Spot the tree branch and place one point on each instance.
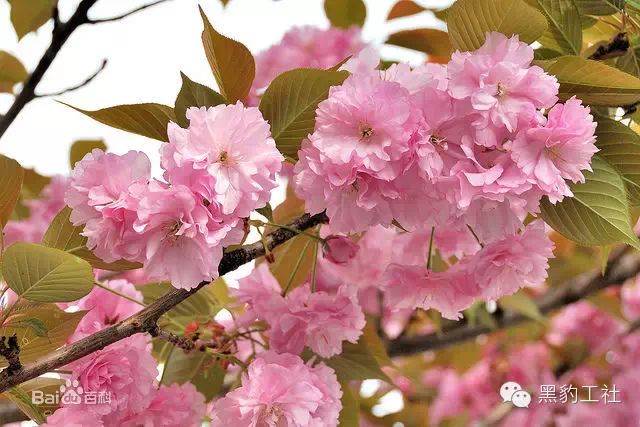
(79, 85)
(124, 15)
(622, 266)
(145, 320)
(10, 350)
(61, 33)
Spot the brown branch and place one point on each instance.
(622, 266)
(124, 15)
(145, 320)
(79, 85)
(61, 33)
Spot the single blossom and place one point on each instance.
(281, 390)
(73, 416)
(226, 155)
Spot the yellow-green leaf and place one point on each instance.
(427, 40)
(470, 20)
(599, 7)
(593, 82)
(63, 235)
(43, 385)
(39, 273)
(22, 400)
(80, 148)
(11, 176)
(29, 15)
(33, 184)
(194, 94)
(345, 13)
(289, 104)
(350, 413)
(521, 303)
(598, 213)
(357, 362)
(148, 120)
(198, 368)
(405, 8)
(565, 29)
(59, 325)
(620, 147)
(232, 64)
(11, 72)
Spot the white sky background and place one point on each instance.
(146, 53)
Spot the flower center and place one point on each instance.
(172, 230)
(438, 141)
(501, 91)
(272, 415)
(223, 156)
(366, 132)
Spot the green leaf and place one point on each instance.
(405, 8)
(198, 368)
(266, 212)
(599, 7)
(565, 28)
(630, 61)
(39, 273)
(521, 303)
(289, 104)
(58, 324)
(232, 64)
(28, 16)
(345, 13)
(544, 53)
(593, 82)
(427, 40)
(470, 20)
(63, 235)
(194, 94)
(350, 413)
(44, 385)
(605, 251)
(37, 325)
(33, 184)
(620, 147)
(81, 148)
(11, 176)
(11, 72)
(357, 362)
(22, 400)
(148, 120)
(598, 214)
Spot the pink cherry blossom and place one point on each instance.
(279, 389)
(260, 291)
(41, 211)
(171, 406)
(339, 249)
(226, 155)
(126, 370)
(596, 329)
(105, 308)
(631, 300)
(304, 47)
(448, 292)
(503, 267)
(559, 150)
(73, 416)
(183, 238)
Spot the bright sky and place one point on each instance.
(146, 53)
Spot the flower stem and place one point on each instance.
(120, 294)
(315, 265)
(295, 268)
(475, 236)
(430, 253)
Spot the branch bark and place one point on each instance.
(622, 266)
(61, 33)
(145, 320)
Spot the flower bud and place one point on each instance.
(339, 249)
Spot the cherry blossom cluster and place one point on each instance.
(481, 139)
(304, 47)
(217, 171)
(126, 372)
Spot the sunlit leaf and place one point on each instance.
(63, 235)
(470, 20)
(405, 8)
(345, 13)
(598, 214)
(82, 147)
(11, 176)
(232, 64)
(565, 28)
(198, 368)
(350, 413)
(148, 120)
(357, 362)
(28, 16)
(22, 400)
(593, 82)
(11, 72)
(521, 303)
(39, 273)
(427, 40)
(194, 94)
(289, 104)
(599, 7)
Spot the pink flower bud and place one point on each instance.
(339, 249)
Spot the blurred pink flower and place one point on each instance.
(171, 406)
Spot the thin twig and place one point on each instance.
(79, 85)
(125, 15)
(146, 320)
